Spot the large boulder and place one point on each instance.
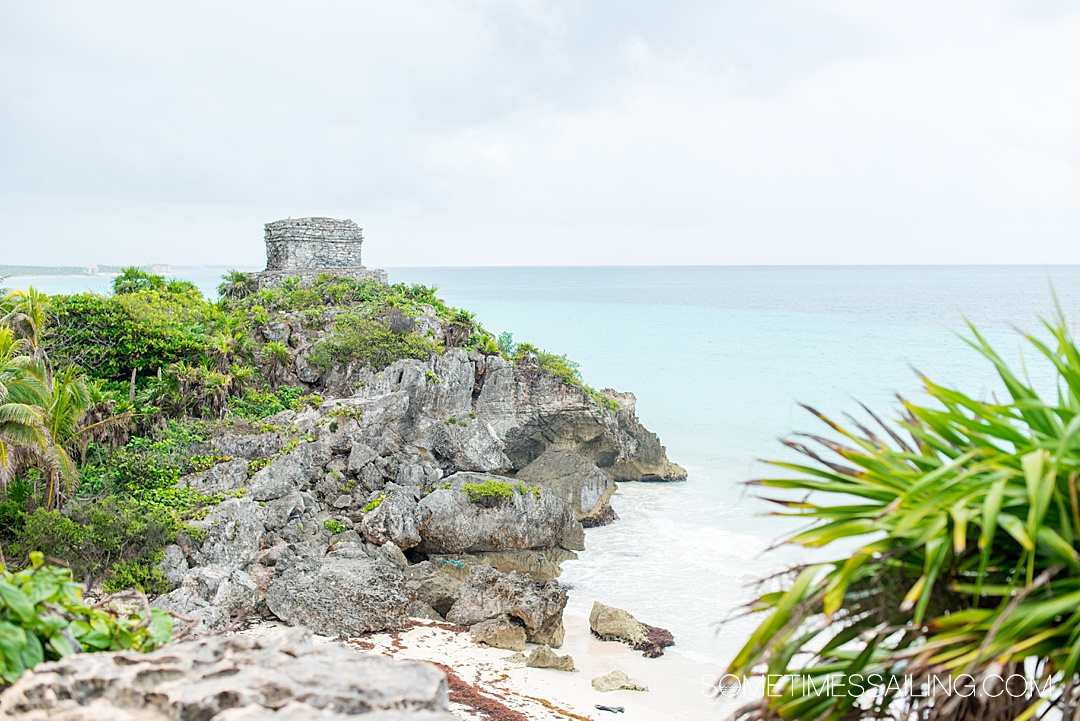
(499, 632)
(247, 446)
(233, 533)
(437, 588)
(283, 676)
(614, 624)
(212, 596)
(540, 563)
(347, 592)
(395, 519)
(290, 472)
(531, 410)
(227, 476)
(517, 520)
(489, 594)
(576, 480)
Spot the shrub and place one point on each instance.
(371, 341)
(334, 526)
(956, 530)
(101, 539)
(144, 575)
(491, 492)
(43, 617)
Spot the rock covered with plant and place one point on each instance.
(341, 455)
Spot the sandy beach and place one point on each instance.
(489, 684)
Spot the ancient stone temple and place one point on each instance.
(305, 248)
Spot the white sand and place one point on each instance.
(678, 687)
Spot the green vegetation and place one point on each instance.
(372, 505)
(375, 342)
(956, 529)
(491, 492)
(334, 526)
(107, 401)
(44, 617)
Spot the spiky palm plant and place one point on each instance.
(236, 285)
(21, 425)
(965, 519)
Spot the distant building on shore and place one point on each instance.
(306, 248)
(160, 268)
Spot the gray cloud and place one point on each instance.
(544, 132)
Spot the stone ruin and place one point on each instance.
(306, 248)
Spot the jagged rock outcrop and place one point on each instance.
(576, 480)
(489, 594)
(233, 534)
(213, 596)
(506, 414)
(347, 592)
(614, 624)
(616, 681)
(544, 657)
(499, 632)
(396, 519)
(454, 524)
(283, 676)
(437, 588)
(540, 563)
(330, 495)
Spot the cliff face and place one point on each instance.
(377, 503)
(506, 415)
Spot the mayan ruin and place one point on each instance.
(305, 248)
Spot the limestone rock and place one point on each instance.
(438, 589)
(544, 657)
(541, 563)
(174, 565)
(419, 609)
(291, 472)
(249, 446)
(490, 594)
(281, 512)
(233, 532)
(576, 480)
(227, 476)
(359, 456)
(499, 632)
(346, 592)
(455, 525)
(616, 681)
(396, 519)
(212, 595)
(614, 624)
(283, 676)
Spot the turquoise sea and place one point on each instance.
(719, 358)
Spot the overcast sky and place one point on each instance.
(535, 132)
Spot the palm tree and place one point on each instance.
(25, 315)
(277, 357)
(22, 429)
(236, 285)
(133, 279)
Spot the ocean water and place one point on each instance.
(720, 358)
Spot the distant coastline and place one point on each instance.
(94, 270)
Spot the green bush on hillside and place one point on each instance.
(43, 617)
(374, 342)
(957, 530)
